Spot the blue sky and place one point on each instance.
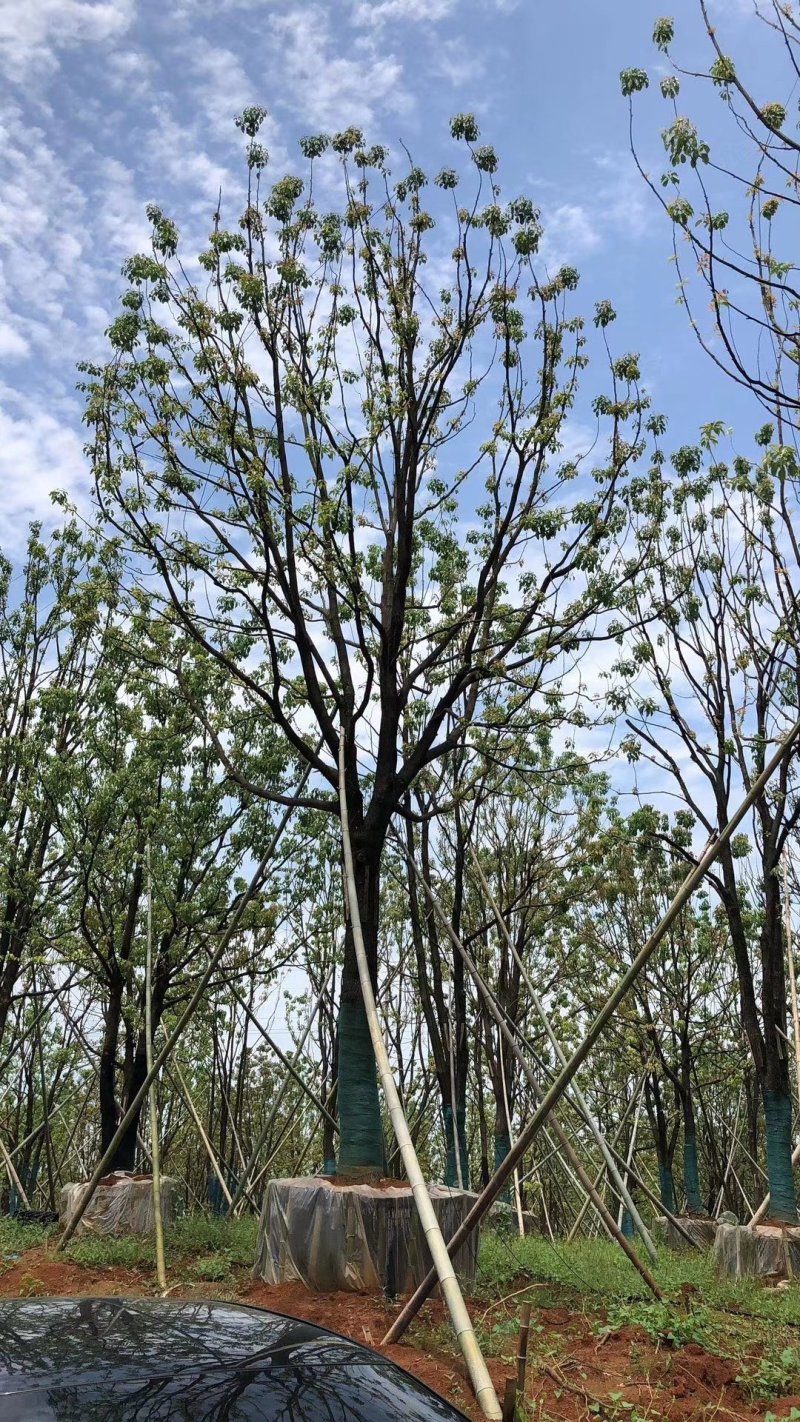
(110, 104)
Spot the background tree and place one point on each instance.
(735, 219)
(722, 662)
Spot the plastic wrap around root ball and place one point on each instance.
(702, 1231)
(761, 1252)
(359, 1238)
(122, 1204)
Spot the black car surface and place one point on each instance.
(136, 1360)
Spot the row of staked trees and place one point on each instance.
(339, 501)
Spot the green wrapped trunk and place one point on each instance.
(450, 1172)
(691, 1175)
(666, 1186)
(502, 1146)
(778, 1119)
(361, 1145)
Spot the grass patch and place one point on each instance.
(16, 1238)
(599, 1267)
(231, 1240)
(741, 1320)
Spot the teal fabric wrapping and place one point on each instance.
(450, 1172)
(215, 1196)
(691, 1176)
(27, 1179)
(666, 1185)
(778, 1119)
(360, 1129)
(329, 1166)
(502, 1146)
(627, 1224)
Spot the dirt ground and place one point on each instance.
(574, 1374)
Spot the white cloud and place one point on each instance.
(570, 232)
(430, 11)
(38, 453)
(458, 62)
(33, 31)
(623, 199)
(329, 85)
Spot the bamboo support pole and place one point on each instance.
(443, 1267)
(536, 1091)
(155, 1144)
(615, 997)
(12, 1175)
(183, 1021)
(787, 923)
(593, 1125)
(598, 1178)
(287, 1062)
(193, 1112)
(510, 1128)
(629, 1162)
(269, 1123)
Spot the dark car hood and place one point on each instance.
(58, 1340)
(124, 1360)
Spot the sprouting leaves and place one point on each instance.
(633, 81)
(464, 126)
(663, 33)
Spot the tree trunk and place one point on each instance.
(776, 1087)
(361, 1144)
(691, 1172)
(665, 1148)
(107, 1069)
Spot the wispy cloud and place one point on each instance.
(327, 86)
(33, 32)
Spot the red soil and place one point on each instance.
(572, 1369)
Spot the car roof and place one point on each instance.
(133, 1355)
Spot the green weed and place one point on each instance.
(664, 1324)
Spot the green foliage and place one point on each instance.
(222, 1242)
(665, 1324)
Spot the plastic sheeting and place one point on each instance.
(765, 1251)
(354, 1237)
(703, 1232)
(121, 1204)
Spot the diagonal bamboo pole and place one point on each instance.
(183, 1021)
(623, 987)
(270, 1121)
(610, 1143)
(536, 1091)
(593, 1125)
(443, 1267)
(201, 1129)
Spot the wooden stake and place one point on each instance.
(522, 1347)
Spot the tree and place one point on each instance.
(722, 661)
(347, 475)
(51, 618)
(146, 784)
(737, 219)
